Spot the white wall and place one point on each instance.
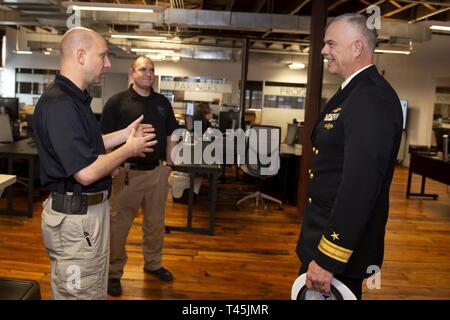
(8, 82)
(112, 84)
(414, 77)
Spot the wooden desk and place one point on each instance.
(23, 149)
(5, 181)
(213, 172)
(428, 167)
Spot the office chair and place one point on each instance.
(6, 132)
(262, 160)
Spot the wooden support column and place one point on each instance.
(313, 94)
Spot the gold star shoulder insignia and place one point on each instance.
(335, 236)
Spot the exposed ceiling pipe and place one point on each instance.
(434, 3)
(430, 14)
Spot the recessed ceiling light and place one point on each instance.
(130, 36)
(440, 28)
(23, 52)
(112, 9)
(392, 51)
(152, 50)
(296, 66)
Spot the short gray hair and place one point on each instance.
(360, 22)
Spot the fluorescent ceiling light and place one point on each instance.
(112, 9)
(392, 51)
(155, 57)
(46, 53)
(152, 50)
(130, 36)
(23, 52)
(296, 66)
(440, 28)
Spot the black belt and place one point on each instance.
(76, 204)
(139, 166)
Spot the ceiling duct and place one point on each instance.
(207, 53)
(239, 21)
(411, 31)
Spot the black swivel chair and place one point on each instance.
(262, 144)
(17, 289)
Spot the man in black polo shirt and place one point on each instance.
(77, 170)
(142, 182)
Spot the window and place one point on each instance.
(284, 95)
(168, 94)
(31, 83)
(24, 87)
(175, 88)
(253, 94)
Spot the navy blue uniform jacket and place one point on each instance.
(355, 146)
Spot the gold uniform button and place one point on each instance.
(309, 171)
(311, 175)
(309, 200)
(314, 149)
(317, 151)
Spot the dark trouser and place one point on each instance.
(355, 285)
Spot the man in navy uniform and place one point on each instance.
(355, 144)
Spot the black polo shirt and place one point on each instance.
(67, 135)
(123, 108)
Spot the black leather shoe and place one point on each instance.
(161, 273)
(114, 287)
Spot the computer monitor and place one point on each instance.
(189, 116)
(404, 104)
(190, 107)
(189, 122)
(294, 134)
(300, 133)
(228, 120)
(291, 134)
(11, 106)
(5, 129)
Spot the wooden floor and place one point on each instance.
(252, 255)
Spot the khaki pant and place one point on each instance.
(79, 268)
(147, 189)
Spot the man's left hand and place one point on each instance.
(142, 129)
(318, 278)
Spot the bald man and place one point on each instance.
(76, 169)
(355, 144)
